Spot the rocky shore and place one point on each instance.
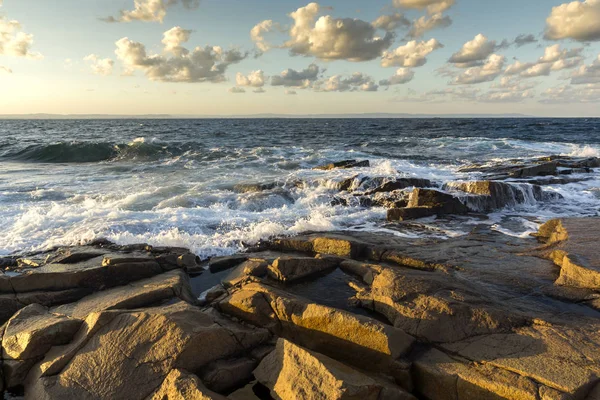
(337, 315)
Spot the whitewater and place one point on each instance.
(217, 186)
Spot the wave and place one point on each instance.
(90, 152)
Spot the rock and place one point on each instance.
(218, 264)
(400, 183)
(289, 269)
(247, 392)
(438, 376)
(344, 165)
(347, 184)
(444, 203)
(549, 168)
(395, 199)
(336, 246)
(129, 354)
(494, 195)
(226, 375)
(29, 334)
(367, 272)
(251, 268)
(188, 260)
(338, 334)
(573, 248)
(254, 187)
(181, 385)
(407, 214)
(292, 372)
(147, 292)
(564, 359)
(425, 306)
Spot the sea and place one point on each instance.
(218, 186)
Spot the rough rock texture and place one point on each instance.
(444, 202)
(135, 351)
(574, 248)
(322, 377)
(493, 195)
(181, 385)
(342, 335)
(289, 269)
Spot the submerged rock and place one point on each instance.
(345, 164)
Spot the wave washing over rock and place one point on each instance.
(383, 259)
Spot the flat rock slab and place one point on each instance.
(289, 269)
(293, 372)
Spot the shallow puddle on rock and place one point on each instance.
(205, 281)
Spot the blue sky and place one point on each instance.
(62, 58)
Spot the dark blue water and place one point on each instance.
(173, 181)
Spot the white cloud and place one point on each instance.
(578, 20)
(327, 38)
(237, 90)
(391, 22)
(356, 82)
(485, 73)
(257, 34)
(297, 79)
(587, 74)
(174, 38)
(14, 42)
(474, 51)
(150, 10)
(254, 79)
(100, 66)
(290, 92)
(424, 24)
(402, 76)
(412, 54)
(432, 6)
(5, 70)
(567, 94)
(554, 59)
(203, 64)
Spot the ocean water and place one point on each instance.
(174, 182)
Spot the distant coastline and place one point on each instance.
(265, 116)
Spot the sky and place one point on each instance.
(242, 57)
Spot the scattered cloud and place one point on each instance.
(432, 6)
(424, 24)
(290, 92)
(327, 38)
(524, 39)
(100, 66)
(177, 64)
(391, 22)
(253, 79)
(412, 54)
(257, 34)
(554, 59)
(565, 94)
(587, 74)
(14, 42)
(474, 52)
(486, 73)
(577, 20)
(297, 79)
(150, 10)
(5, 70)
(356, 82)
(402, 76)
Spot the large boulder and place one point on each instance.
(289, 269)
(338, 334)
(181, 385)
(426, 203)
(491, 195)
(293, 372)
(572, 246)
(427, 306)
(127, 355)
(29, 334)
